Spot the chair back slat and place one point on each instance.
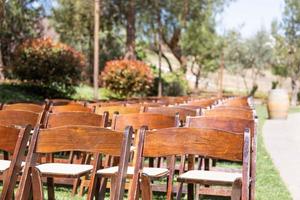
(136, 120)
(20, 118)
(206, 142)
(70, 108)
(172, 111)
(75, 118)
(79, 138)
(226, 112)
(230, 124)
(25, 107)
(118, 109)
(9, 137)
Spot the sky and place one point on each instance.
(249, 16)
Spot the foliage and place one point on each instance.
(127, 77)
(73, 21)
(41, 61)
(201, 45)
(173, 83)
(254, 54)
(287, 48)
(19, 20)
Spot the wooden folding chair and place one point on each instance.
(14, 141)
(54, 120)
(74, 138)
(137, 120)
(20, 118)
(119, 110)
(206, 142)
(231, 124)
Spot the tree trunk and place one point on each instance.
(1, 66)
(96, 48)
(130, 32)
(197, 81)
(295, 90)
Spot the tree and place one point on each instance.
(200, 45)
(19, 21)
(175, 20)
(254, 54)
(287, 62)
(73, 21)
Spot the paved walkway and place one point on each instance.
(282, 139)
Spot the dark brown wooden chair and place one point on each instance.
(13, 141)
(54, 120)
(231, 124)
(74, 138)
(195, 141)
(20, 118)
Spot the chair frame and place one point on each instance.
(31, 180)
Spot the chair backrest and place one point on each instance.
(24, 106)
(75, 118)
(20, 118)
(118, 109)
(239, 101)
(14, 141)
(230, 124)
(70, 108)
(209, 143)
(202, 102)
(137, 120)
(81, 138)
(227, 112)
(172, 111)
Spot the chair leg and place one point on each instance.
(146, 188)
(50, 187)
(112, 187)
(236, 192)
(179, 191)
(37, 184)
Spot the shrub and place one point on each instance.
(127, 77)
(46, 63)
(173, 83)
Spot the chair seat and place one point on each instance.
(209, 177)
(149, 171)
(64, 169)
(4, 165)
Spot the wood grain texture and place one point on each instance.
(70, 108)
(137, 120)
(25, 106)
(226, 112)
(172, 111)
(75, 118)
(20, 118)
(79, 138)
(9, 137)
(206, 142)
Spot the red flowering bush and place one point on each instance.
(47, 63)
(127, 77)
